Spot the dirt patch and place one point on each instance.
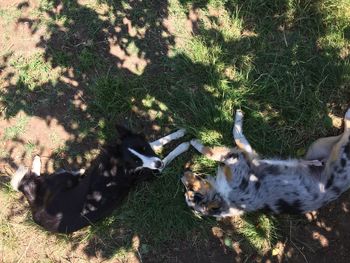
(17, 28)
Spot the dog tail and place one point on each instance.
(18, 176)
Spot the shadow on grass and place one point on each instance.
(120, 63)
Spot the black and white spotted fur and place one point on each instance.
(67, 201)
(245, 182)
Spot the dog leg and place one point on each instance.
(36, 166)
(215, 153)
(240, 140)
(183, 147)
(340, 152)
(158, 144)
(321, 148)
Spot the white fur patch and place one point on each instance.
(289, 163)
(183, 147)
(36, 166)
(253, 178)
(232, 212)
(238, 132)
(96, 196)
(80, 172)
(158, 144)
(147, 162)
(221, 184)
(18, 176)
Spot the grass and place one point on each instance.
(34, 71)
(16, 130)
(285, 63)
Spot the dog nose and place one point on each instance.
(158, 164)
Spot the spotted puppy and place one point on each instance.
(245, 182)
(67, 201)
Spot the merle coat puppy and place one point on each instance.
(67, 201)
(245, 182)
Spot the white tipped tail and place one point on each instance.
(18, 176)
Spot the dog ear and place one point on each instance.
(122, 131)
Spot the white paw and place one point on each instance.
(237, 127)
(239, 115)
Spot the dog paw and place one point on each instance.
(239, 115)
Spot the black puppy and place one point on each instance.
(65, 201)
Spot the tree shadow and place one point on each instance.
(118, 64)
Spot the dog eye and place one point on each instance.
(197, 197)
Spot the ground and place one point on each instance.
(70, 70)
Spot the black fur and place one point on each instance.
(347, 150)
(285, 207)
(257, 185)
(64, 202)
(343, 162)
(244, 184)
(330, 181)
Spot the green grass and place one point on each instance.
(285, 63)
(16, 130)
(9, 15)
(34, 71)
(260, 231)
(30, 147)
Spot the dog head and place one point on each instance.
(202, 196)
(136, 151)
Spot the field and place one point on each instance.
(71, 69)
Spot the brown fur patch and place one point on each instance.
(239, 144)
(216, 153)
(196, 186)
(213, 205)
(207, 151)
